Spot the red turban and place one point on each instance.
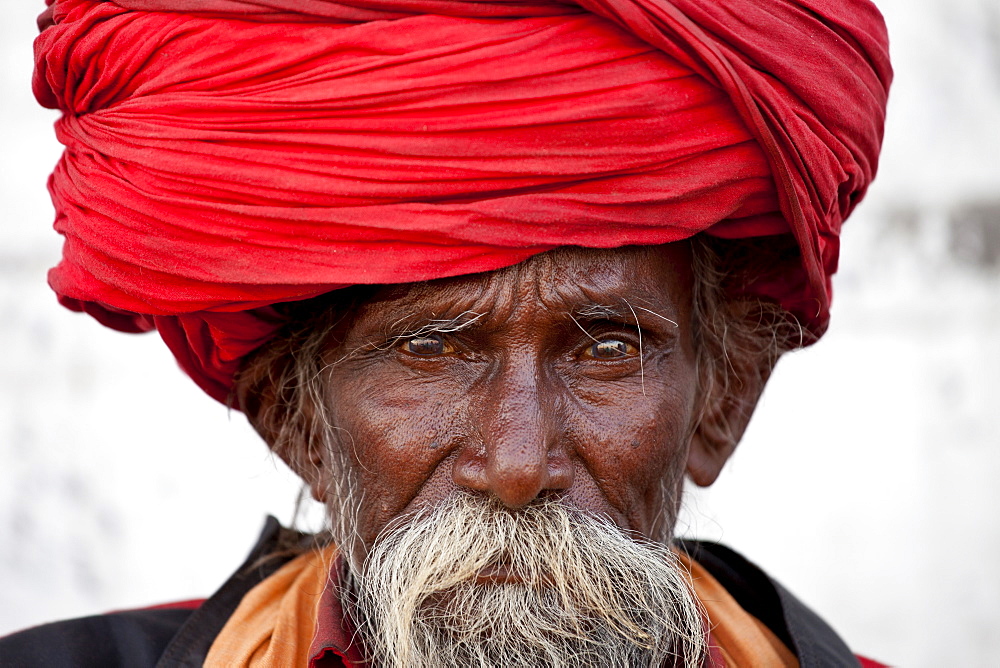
(225, 155)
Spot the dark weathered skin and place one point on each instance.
(523, 402)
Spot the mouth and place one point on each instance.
(499, 573)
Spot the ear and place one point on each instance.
(729, 396)
(283, 419)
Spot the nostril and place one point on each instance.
(560, 474)
(550, 495)
(469, 471)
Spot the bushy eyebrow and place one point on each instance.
(625, 312)
(598, 312)
(404, 328)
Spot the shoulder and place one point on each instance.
(130, 638)
(812, 640)
(168, 636)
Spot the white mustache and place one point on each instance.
(475, 584)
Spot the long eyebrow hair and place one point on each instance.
(606, 311)
(598, 312)
(404, 328)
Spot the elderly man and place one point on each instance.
(492, 278)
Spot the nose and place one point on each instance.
(519, 451)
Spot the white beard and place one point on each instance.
(582, 592)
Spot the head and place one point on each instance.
(516, 429)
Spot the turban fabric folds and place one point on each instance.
(225, 155)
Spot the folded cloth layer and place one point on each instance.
(225, 155)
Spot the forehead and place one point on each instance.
(656, 277)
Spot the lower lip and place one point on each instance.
(498, 574)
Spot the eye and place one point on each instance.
(426, 346)
(610, 349)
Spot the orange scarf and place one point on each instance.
(275, 622)
(739, 638)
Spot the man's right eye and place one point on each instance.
(426, 346)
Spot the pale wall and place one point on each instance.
(867, 482)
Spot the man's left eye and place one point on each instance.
(426, 346)
(611, 349)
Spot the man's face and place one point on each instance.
(569, 376)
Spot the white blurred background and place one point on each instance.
(869, 481)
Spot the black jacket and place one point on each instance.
(176, 638)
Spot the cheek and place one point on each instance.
(398, 433)
(635, 449)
